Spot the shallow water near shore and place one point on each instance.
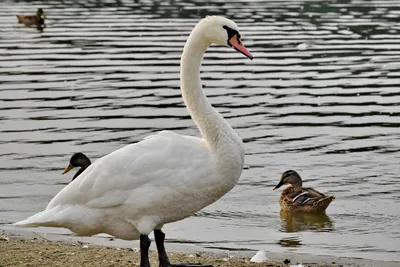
(321, 97)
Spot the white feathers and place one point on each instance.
(164, 178)
(148, 188)
(260, 256)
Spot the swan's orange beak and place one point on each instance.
(68, 169)
(235, 43)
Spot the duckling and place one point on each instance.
(30, 20)
(296, 198)
(78, 160)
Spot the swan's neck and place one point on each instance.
(214, 129)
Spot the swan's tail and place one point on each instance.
(44, 218)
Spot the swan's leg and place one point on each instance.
(144, 251)
(162, 254)
(159, 236)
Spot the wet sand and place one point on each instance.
(20, 252)
(35, 249)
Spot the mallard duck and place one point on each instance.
(303, 199)
(78, 160)
(30, 20)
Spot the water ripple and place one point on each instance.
(321, 97)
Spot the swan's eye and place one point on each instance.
(231, 32)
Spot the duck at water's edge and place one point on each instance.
(78, 160)
(296, 198)
(32, 20)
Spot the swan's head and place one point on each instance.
(290, 177)
(77, 160)
(223, 31)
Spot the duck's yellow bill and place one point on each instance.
(68, 169)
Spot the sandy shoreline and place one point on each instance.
(27, 248)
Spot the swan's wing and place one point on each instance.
(165, 164)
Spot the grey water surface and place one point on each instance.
(321, 97)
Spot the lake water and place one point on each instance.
(321, 96)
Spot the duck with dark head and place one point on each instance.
(78, 160)
(297, 198)
(32, 20)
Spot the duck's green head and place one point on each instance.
(77, 160)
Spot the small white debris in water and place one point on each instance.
(298, 265)
(302, 46)
(85, 246)
(260, 256)
(191, 256)
(225, 259)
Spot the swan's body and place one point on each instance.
(164, 178)
(149, 189)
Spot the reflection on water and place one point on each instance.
(290, 242)
(300, 221)
(40, 27)
(321, 96)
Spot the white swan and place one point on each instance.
(164, 178)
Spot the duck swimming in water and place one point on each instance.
(297, 198)
(30, 20)
(78, 160)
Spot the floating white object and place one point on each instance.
(260, 256)
(298, 265)
(302, 46)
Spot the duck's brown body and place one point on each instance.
(30, 20)
(298, 198)
(304, 199)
